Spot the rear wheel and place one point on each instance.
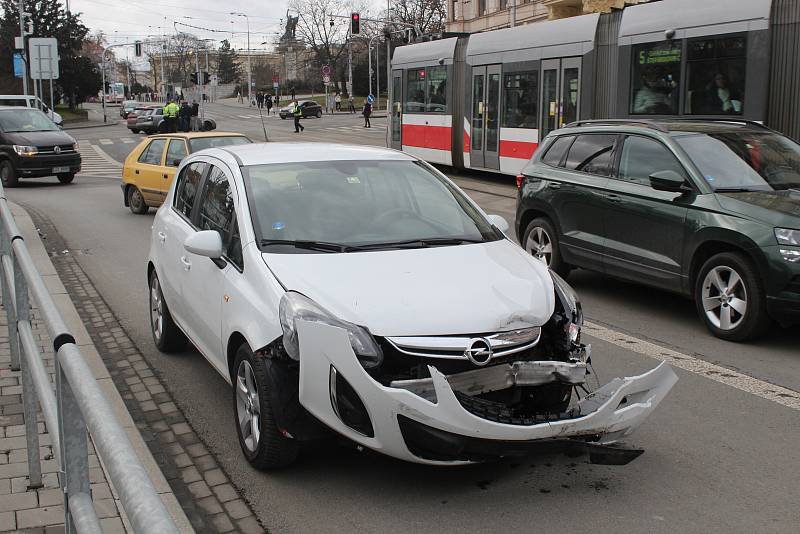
(319, 114)
(136, 201)
(262, 442)
(66, 178)
(730, 297)
(540, 241)
(8, 174)
(166, 334)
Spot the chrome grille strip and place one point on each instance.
(453, 347)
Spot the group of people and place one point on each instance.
(335, 103)
(179, 118)
(297, 112)
(265, 100)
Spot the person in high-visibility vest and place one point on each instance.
(298, 113)
(170, 116)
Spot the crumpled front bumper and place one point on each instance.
(608, 414)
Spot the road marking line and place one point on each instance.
(127, 139)
(106, 142)
(765, 390)
(109, 159)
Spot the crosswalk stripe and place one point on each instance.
(106, 142)
(95, 162)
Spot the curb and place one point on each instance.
(81, 126)
(66, 308)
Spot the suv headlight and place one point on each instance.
(785, 236)
(25, 150)
(295, 306)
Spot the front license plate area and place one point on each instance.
(58, 170)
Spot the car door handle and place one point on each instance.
(554, 185)
(162, 237)
(165, 175)
(613, 198)
(186, 263)
(136, 171)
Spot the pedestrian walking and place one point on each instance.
(298, 113)
(260, 100)
(268, 100)
(338, 100)
(367, 111)
(352, 103)
(277, 102)
(194, 120)
(292, 91)
(185, 114)
(239, 96)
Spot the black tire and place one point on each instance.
(283, 118)
(8, 174)
(542, 229)
(66, 178)
(751, 324)
(136, 201)
(134, 130)
(319, 114)
(272, 449)
(170, 338)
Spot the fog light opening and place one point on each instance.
(348, 406)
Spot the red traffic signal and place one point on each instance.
(355, 23)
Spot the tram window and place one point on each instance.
(656, 78)
(591, 153)
(520, 95)
(415, 91)
(437, 89)
(716, 74)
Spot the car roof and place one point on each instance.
(669, 126)
(267, 153)
(195, 135)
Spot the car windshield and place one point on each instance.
(341, 206)
(750, 161)
(199, 143)
(26, 120)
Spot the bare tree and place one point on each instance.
(428, 15)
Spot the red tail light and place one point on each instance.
(520, 179)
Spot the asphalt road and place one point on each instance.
(718, 459)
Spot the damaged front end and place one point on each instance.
(459, 399)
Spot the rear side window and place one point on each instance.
(591, 153)
(555, 153)
(642, 156)
(176, 152)
(187, 187)
(152, 154)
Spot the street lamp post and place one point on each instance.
(249, 70)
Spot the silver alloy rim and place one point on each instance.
(724, 298)
(248, 407)
(136, 199)
(156, 309)
(540, 245)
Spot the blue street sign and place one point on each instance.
(19, 65)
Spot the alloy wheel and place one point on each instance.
(248, 407)
(136, 200)
(156, 309)
(540, 245)
(724, 297)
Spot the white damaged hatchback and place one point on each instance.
(357, 291)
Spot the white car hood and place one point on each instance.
(466, 289)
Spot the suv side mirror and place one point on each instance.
(206, 243)
(668, 180)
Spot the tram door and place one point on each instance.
(560, 98)
(485, 125)
(396, 139)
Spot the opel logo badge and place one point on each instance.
(57, 150)
(479, 351)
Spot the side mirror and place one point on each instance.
(499, 222)
(206, 243)
(669, 181)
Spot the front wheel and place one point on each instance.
(540, 241)
(319, 114)
(134, 130)
(166, 334)
(8, 174)
(262, 442)
(66, 178)
(730, 298)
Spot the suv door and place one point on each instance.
(575, 193)
(149, 172)
(203, 283)
(645, 229)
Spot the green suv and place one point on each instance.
(706, 208)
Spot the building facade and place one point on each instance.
(471, 16)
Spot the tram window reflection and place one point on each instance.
(656, 79)
(716, 75)
(520, 95)
(437, 89)
(415, 91)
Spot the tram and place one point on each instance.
(484, 101)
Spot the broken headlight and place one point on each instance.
(571, 308)
(295, 306)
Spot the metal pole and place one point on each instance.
(163, 79)
(9, 296)
(369, 65)
(389, 91)
(349, 66)
(24, 55)
(103, 69)
(378, 75)
(74, 452)
(513, 13)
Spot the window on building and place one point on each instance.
(503, 4)
(591, 153)
(656, 78)
(415, 91)
(520, 99)
(481, 7)
(642, 157)
(437, 89)
(715, 76)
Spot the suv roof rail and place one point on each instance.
(746, 122)
(599, 122)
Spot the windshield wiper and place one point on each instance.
(323, 246)
(737, 190)
(421, 243)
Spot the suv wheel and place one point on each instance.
(8, 174)
(166, 334)
(540, 240)
(259, 436)
(730, 298)
(66, 178)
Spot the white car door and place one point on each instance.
(171, 228)
(203, 282)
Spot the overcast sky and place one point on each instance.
(129, 20)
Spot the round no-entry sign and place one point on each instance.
(326, 70)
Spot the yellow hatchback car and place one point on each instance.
(150, 167)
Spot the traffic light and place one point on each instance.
(355, 23)
(194, 78)
(206, 78)
(137, 48)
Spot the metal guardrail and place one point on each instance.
(77, 405)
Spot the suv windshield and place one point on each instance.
(340, 206)
(25, 120)
(200, 143)
(745, 160)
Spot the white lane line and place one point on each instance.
(127, 139)
(106, 142)
(243, 116)
(765, 390)
(109, 159)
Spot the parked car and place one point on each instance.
(29, 101)
(126, 107)
(150, 167)
(32, 146)
(357, 290)
(706, 208)
(308, 108)
(149, 121)
(130, 120)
